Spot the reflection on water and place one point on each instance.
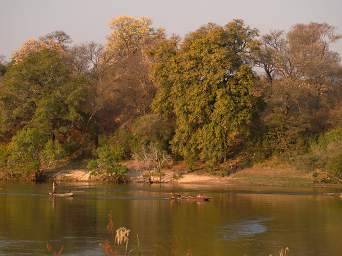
(236, 222)
(244, 228)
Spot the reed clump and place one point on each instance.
(53, 251)
(118, 242)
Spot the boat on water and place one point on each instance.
(189, 197)
(70, 194)
(54, 194)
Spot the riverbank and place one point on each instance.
(266, 174)
(258, 175)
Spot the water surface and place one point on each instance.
(236, 222)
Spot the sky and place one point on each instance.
(88, 20)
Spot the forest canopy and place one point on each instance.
(219, 94)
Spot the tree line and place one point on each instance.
(220, 93)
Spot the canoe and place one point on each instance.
(62, 195)
(193, 198)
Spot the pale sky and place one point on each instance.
(87, 20)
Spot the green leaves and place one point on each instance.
(106, 164)
(41, 96)
(24, 150)
(206, 89)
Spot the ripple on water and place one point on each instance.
(244, 228)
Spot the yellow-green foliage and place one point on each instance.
(106, 164)
(152, 129)
(52, 152)
(206, 87)
(3, 157)
(328, 152)
(24, 150)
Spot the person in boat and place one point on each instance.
(53, 187)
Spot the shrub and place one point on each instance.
(71, 147)
(24, 150)
(121, 144)
(334, 165)
(52, 153)
(152, 129)
(327, 151)
(106, 164)
(3, 157)
(154, 160)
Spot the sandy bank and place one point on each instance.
(179, 174)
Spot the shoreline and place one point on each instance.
(179, 174)
(260, 175)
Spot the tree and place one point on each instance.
(25, 84)
(304, 77)
(130, 35)
(2, 66)
(294, 115)
(122, 87)
(302, 53)
(207, 86)
(89, 59)
(41, 92)
(57, 41)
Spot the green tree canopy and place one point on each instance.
(41, 91)
(206, 84)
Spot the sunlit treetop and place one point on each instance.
(129, 34)
(57, 40)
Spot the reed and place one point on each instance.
(284, 251)
(118, 237)
(53, 251)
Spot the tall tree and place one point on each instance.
(209, 88)
(40, 91)
(305, 79)
(58, 41)
(302, 53)
(123, 87)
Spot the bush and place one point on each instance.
(154, 160)
(327, 151)
(121, 144)
(152, 129)
(52, 153)
(3, 157)
(24, 150)
(145, 131)
(334, 165)
(72, 148)
(106, 165)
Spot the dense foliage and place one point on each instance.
(209, 92)
(218, 94)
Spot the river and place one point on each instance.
(236, 222)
